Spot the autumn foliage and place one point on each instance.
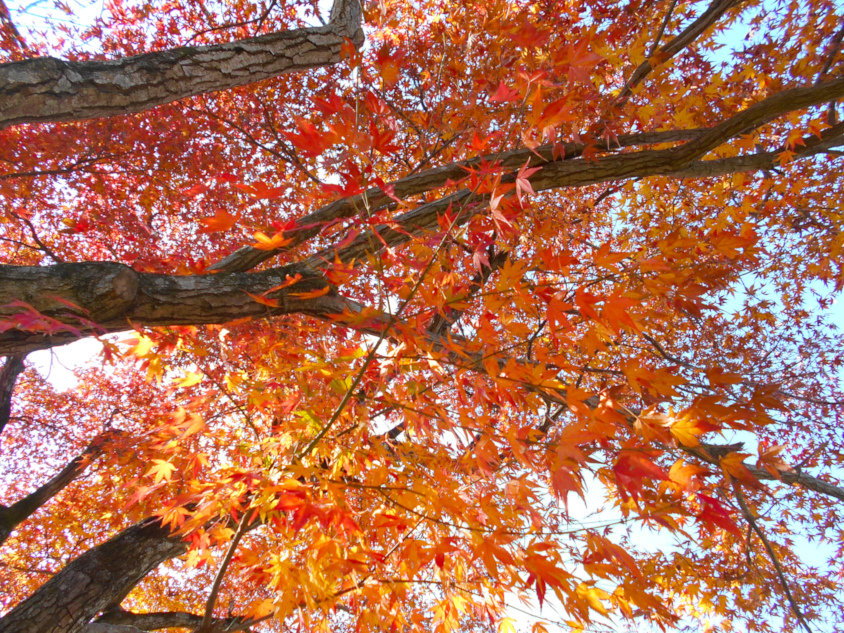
(422, 310)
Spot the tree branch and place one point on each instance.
(109, 295)
(169, 620)
(575, 173)
(15, 514)
(374, 199)
(748, 515)
(8, 377)
(100, 577)
(206, 625)
(48, 89)
(677, 44)
(557, 172)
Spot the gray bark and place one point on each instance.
(99, 578)
(47, 89)
(109, 295)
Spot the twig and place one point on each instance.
(661, 32)
(215, 588)
(832, 114)
(767, 544)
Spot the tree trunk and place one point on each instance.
(99, 578)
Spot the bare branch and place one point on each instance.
(748, 515)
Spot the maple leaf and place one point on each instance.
(309, 140)
(312, 294)
(687, 430)
(261, 190)
(266, 243)
(507, 625)
(713, 512)
(503, 94)
(190, 379)
(733, 464)
(378, 459)
(196, 190)
(161, 469)
(272, 303)
(522, 183)
(770, 461)
(141, 346)
(581, 61)
(221, 221)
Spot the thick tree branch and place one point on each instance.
(109, 297)
(47, 89)
(576, 173)
(101, 627)
(759, 114)
(8, 377)
(169, 620)
(557, 172)
(374, 199)
(99, 578)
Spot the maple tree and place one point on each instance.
(404, 292)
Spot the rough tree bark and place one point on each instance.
(99, 578)
(108, 295)
(98, 297)
(118, 617)
(48, 89)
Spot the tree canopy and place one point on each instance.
(412, 310)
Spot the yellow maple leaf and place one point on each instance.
(161, 469)
(686, 430)
(733, 464)
(190, 379)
